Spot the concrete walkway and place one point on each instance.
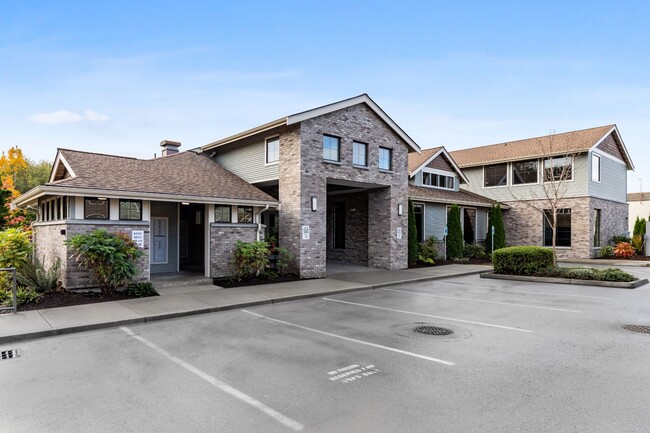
(190, 300)
(606, 262)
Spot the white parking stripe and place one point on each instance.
(222, 386)
(558, 294)
(429, 315)
(453, 298)
(354, 340)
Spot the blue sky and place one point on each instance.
(121, 76)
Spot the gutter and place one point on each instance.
(259, 224)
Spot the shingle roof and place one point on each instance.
(184, 173)
(417, 159)
(438, 195)
(554, 144)
(638, 196)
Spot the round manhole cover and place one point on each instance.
(637, 328)
(432, 330)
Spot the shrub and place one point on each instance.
(613, 274)
(606, 252)
(473, 251)
(5, 297)
(578, 273)
(250, 259)
(455, 234)
(428, 251)
(281, 256)
(522, 260)
(15, 247)
(24, 296)
(412, 236)
(624, 249)
(110, 257)
(619, 238)
(496, 220)
(141, 290)
(34, 275)
(637, 243)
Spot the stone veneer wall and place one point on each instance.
(304, 174)
(49, 245)
(356, 229)
(222, 245)
(525, 225)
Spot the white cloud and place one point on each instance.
(63, 116)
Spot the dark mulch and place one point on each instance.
(486, 261)
(229, 283)
(639, 258)
(67, 299)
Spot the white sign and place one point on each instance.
(399, 233)
(137, 236)
(446, 231)
(305, 233)
(352, 372)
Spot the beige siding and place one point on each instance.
(249, 162)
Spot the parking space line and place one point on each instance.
(222, 386)
(354, 340)
(531, 292)
(429, 315)
(453, 298)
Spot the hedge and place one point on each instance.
(522, 260)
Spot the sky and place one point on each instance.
(120, 76)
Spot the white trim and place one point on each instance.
(266, 150)
(512, 174)
(573, 168)
(599, 152)
(623, 147)
(442, 150)
(208, 220)
(496, 186)
(151, 236)
(593, 155)
(60, 159)
(248, 133)
(438, 171)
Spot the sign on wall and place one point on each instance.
(305, 233)
(137, 236)
(399, 233)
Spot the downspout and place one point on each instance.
(259, 224)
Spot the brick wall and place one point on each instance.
(49, 245)
(222, 246)
(356, 229)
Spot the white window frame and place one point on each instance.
(573, 168)
(511, 172)
(266, 150)
(439, 173)
(596, 163)
(507, 176)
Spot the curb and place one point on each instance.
(181, 314)
(615, 284)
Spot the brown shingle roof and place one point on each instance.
(184, 173)
(417, 159)
(555, 144)
(448, 196)
(638, 196)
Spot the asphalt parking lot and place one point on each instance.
(523, 357)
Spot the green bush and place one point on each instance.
(620, 238)
(110, 257)
(412, 236)
(428, 251)
(141, 290)
(474, 251)
(613, 274)
(455, 234)
(34, 275)
(250, 259)
(23, 296)
(606, 252)
(15, 247)
(522, 260)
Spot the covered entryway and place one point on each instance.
(191, 239)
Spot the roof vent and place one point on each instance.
(169, 147)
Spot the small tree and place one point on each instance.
(455, 234)
(499, 228)
(638, 240)
(110, 257)
(413, 236)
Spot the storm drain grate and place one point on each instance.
(8, 354)
(637, 328)
(432, 330)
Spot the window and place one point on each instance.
(524, 172)
(385, 158)
(244, 214)
(222, 214)
(272, 150)
(131, 210)
(496, 175)
(359, 154)
(438, 180)
(558, 168)
(469, 225)
(65, 207)
(596, 228)
(595, 168)
(331, 148)
(563, 228)
(95, 208)
(418, 211)
(339, 226)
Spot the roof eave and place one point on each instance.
(245, 134)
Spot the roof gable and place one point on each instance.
(428, 156)
(537, 147)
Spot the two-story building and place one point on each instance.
(586, 171)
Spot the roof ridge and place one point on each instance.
(99, 153)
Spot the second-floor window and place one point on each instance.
(438, 180)
(331, 148)
(524, 172)
(496, 175)
(272, 150)
(385, 158)
(558, 168)
(595, 168)
(359, 154)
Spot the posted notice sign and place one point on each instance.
(137, 236)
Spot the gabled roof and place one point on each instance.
(185, 175)
(315, 112)
(417, 161)
(539, 147)
(444, 196)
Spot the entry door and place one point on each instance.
(469, 226)
(160, 233)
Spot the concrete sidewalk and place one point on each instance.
(191, 300)
(607, 262)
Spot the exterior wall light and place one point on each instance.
(400, 209)
(185, 203)
(314, 204)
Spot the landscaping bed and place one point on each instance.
(68, 299)
(229, 283)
